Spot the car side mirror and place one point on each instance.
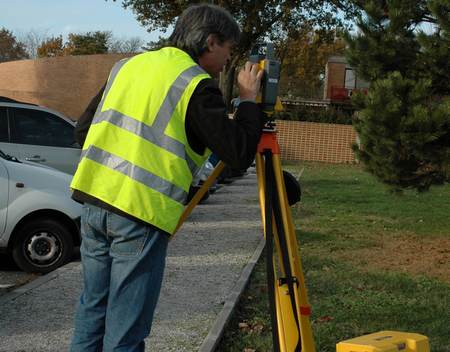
(75, 144)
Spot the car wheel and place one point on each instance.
(42, 245)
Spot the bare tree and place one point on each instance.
(125, 45)
(32, 40)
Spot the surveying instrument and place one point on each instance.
(288, 302)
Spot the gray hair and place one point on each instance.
(197, 22)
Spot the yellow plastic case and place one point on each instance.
(386, 341)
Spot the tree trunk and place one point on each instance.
(227, 78)
(229, 85)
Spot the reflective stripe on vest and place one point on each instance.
(112, 130)
(135, 172)
(155, 133)
(149, 133)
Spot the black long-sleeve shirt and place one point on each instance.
(207, 124)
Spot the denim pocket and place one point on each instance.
(128, 237)
(92, 236)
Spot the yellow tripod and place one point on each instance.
(290, 310)
(289, 307)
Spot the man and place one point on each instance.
(160, 116)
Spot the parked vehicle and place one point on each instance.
(39, 222)
(38, 134)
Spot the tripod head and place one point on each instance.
(264, 55)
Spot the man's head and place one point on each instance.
(207, 33)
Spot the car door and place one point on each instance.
(4, 138)
(43, 137)
(4, 130)
(4, 191)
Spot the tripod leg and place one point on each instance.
(284, 316)
(200, 193)
(285, 290)
(260, 172)
(292, 253)
(265, 198)
(261, 186)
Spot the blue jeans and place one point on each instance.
(123, 264)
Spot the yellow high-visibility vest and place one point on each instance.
(136, 156)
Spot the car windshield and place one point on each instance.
(8, 157)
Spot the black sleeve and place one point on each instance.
(85, 120)
(234, 141)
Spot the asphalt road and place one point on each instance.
(12, 277)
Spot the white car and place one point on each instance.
(39, 222)
(38, 134)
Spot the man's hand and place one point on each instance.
(249, 81)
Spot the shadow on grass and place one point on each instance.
(335, 241)
(310, 237)
(333, 183)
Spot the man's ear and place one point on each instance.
(211, 41)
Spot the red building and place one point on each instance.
(341, 80)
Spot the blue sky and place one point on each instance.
(56, 17)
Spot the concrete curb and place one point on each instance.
(212, 339)
(12, 295)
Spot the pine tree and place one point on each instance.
(404, 121)
(10, 48)
(88, 43)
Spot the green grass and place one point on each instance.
(347, 225)
(356, 303)
(349, 200)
